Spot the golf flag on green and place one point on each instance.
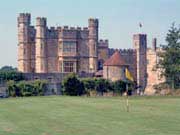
(128, 75)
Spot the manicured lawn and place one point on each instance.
(58, 115)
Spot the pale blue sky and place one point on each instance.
(118, 19)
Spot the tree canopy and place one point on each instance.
(170, 57)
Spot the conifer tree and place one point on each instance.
(170, 57)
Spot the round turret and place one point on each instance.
(93, 43)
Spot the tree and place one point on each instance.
(7, 69)
(39, 87)
(170, 57)
(119, 87)
(102, 85)
(11, 88)
(73, 86)
(11, 75)
(89, 84)
(26, 88)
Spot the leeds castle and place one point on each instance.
(45, 51)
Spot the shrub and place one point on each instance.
(102, 85)
(119, 87)
(26, 88)
(89, 84)
(73, 86)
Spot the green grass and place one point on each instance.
(89, 116)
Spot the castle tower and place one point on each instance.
(41, 48)
(140, 45)
(93, 43)
(24, 48)
(154, 44)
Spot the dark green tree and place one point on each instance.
(7, 69)
(89, 84)
(119, 87)
(170, 57)
(73, 86)
(11, 75)
(102, 85)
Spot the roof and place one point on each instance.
(115, 60)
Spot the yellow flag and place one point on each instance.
(128, 75)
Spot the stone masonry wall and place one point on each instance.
(153, 74)
(40, 49)
(129, 55)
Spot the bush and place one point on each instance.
(73, 86)
(102, 85)
(13, 91)
(119, 87)
(26, 88)
(89, 84)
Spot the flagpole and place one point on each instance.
(127, 98)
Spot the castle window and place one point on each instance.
(69, 46)
(68, 66)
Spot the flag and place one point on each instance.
(140, 25)
(128, 75)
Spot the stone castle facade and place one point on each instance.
(58, 50)
(44, 50)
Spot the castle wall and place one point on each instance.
(153, 74)
(93, 44)
(47, 50)
(41, 46)
(52, 50)
(32, 40)
(114, 73)
(129, 55)
(103, 53)
(83, 50)
(140, 44)
(24, 43)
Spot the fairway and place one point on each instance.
(60, 115)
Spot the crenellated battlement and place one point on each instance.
(41, 21)
(24, 14)
(93, 22)
(52, 33)
(123, 51)
(44, 48)
(67, 28)
(127, 51)
(52, 28)
(103, 43)
(24, 18)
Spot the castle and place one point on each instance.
(61, 49)
(43, 50)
